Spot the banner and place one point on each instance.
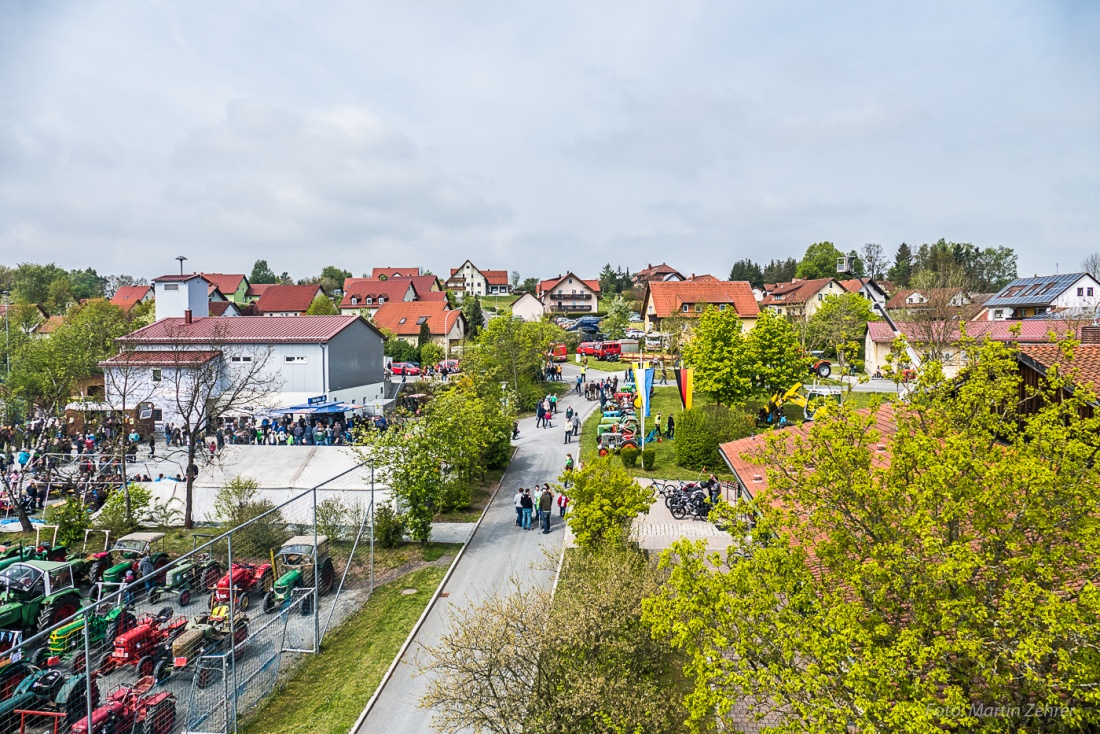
(643, 382)
(684, 383)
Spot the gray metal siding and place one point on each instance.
(355, 357)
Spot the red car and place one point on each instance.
(405, 368)
(587, 349)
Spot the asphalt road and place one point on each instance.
(496, 551)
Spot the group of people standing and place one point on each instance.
(528, 501)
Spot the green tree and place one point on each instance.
(749, 271)
(431, 353)
(262, 273)
(614, 325)
(903, 581)
(839, 323)
(604, 500)
(475, 317)
(87, 284)
(425, 335)
(902, 270)
(609, 281)
(773, 358)
(715, 352)
(531, 285)
(819, 261)
(511, 351)
(780, 271)
(31, 282)
(332, 278)
(322, 306)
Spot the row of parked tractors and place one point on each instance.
(40, 588)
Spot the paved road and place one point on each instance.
(497, 551)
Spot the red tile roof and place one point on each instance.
(245, 330)
(548, 285)
(256, 290)
(128, 296)
(794, 292)
(288, 298)
(1085, 362)
(670, 296)
(1031, 330)
(394, 272)
(656, 272)
(176, 278)
(165, 358)
(218, 308)
(496, 277)
(403, 318)
(227, 283)
(392, 289)
(704, 278)
(424, 283)
(432, 296)
(50, 325)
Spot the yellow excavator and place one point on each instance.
(812, 399)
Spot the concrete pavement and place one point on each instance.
(497, 551)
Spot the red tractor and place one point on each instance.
(133, 709)
(246, 580)
(143, 645)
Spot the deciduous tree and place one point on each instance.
(614, 325)
(604, 500)
(819, 261)
(715, 352)
(322, 306)
(838, 323)
(262, 273)
(773, 358)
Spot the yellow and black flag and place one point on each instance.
(684, 380)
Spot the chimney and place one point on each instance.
(187, 316)
(1090, 334)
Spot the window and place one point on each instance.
(1088, 291)
(1080, 291)
(171, 286)
(698, 308)
(820, 297)
(721, 307)
(156, 375)
(368, 300)
(403, 320)
(381, 299)
(294, 360)
(354, 300)
(687, 307)
(240, 359)
(999, 314)
(422, 320)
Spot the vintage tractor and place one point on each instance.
(136, 709)
(37, 594)
(245, 580)
(143, 645)
(206, 634)
(295, 561)
(43, 694)
(195, 574)
(611, 441)
(111, 565)
(67, 641)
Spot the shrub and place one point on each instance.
(699, 431)
(629, 456)
(649, 458)
(332, 516)
(454, 496)
(71, 520)
(236, 504)
(113, 515)
(389, 526)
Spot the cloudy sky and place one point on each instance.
(542, 136)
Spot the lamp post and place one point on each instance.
(7, 354)
(181, 258)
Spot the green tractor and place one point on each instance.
(295, 562)
(37, 595)
(35, 697)
(67, 641)
(110, 565)
(196, 574)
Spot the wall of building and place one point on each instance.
(355, 357)
(189, 295)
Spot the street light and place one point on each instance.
(181, 258)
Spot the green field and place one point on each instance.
(328, 691)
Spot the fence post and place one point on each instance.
(232, 647)
(316, 583)
(87, 671)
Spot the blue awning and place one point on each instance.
(331, 407)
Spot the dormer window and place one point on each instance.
(354, 301)
(381, 299)
(403, 320)
(368, 300)
(687, 307)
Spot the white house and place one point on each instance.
(1073, 294)
(568, 293)
(468, 278)
(528, 308)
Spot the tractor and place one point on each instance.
(296, 561)
(611, 441)
(133, 709)
(43, 694)
(206, 634)
(37, 594)
(67, 641)
(143, 645)
(245, 579)
(195, 574)
(815, 399)
(103, 566)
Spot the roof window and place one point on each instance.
(422, 320)
(403, 320)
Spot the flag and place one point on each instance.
(643, 382)
(684, 383)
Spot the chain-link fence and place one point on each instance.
(125, 637)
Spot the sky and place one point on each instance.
(542, 137)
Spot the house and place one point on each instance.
(1076, 294)
(688, 300)
(663, 272)
(941, 335)
(233, 286)
(384, 273)
(365, 295)
(800, 298)
(945, 302)
(128, 296)
(256, 290)
(339, 357)
(49, 326)
(177, 295)
(228, 308)
(870, 289)
(1036, 361)
(287, 300)
(528, 308)
(404, 319)
(25, 316)
(568, 293)
(468, 279)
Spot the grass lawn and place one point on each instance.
(329, 690)
(497, 302)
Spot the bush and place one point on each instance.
(71, 520)
(649, 458)
(389, 527)
(699, 431)
(236, 504)
(113, 515)
(332, 516)
(454, 496)
(629, 456)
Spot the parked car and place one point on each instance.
(634, 334)
(405, 368)
(609, 351)
(635, 316)
(587, 349)
(559, 352)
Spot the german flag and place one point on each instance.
(684, 383)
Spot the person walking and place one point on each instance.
(548, 414)
(146, 569)
(526, 505)
(546, 504)
(540, 415)
(563, 504)
(576, 425)
(671, 425)
(518, 502)
(568, 431)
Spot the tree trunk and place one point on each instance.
(189, 482)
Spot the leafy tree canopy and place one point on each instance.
(262, 273)
(838, 323)
(772, 356)
(615, 324)
(715, 351)
(322, 306)
(819, 261)
(475, 317)
(604, 500)
(748, 270)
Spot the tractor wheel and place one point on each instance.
(307, 604)
(210, 576)
(80, 663)
(40, 656)
(161, 719)
(242, 602)
(631, 444)
(824, 370)
(328, 577)
(603, 452)
(269, 602)
(125, 622)
(99, 569)
(267, 581)
(205, 677)
(185, 597)
(162, 671)
(106, 663)
(60, 609)
(146, 666)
